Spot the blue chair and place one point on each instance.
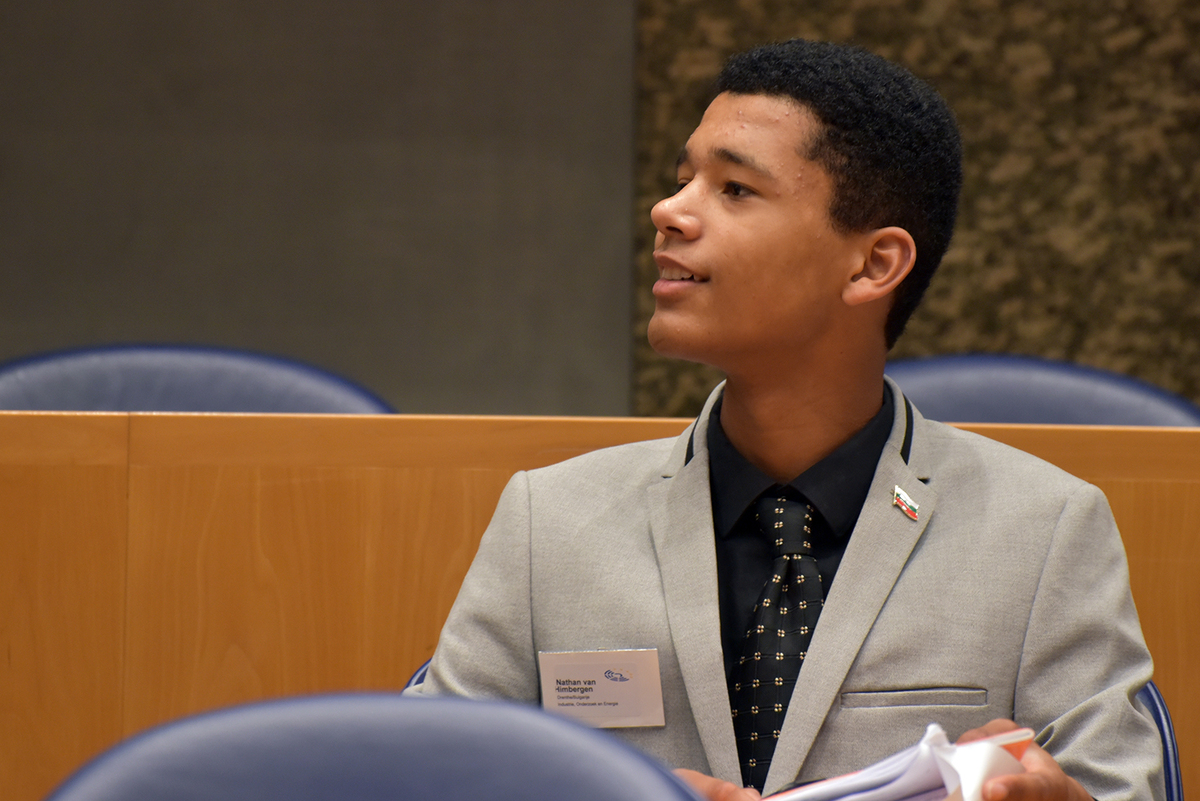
(373, 747)
(1152, 698)
(994, 388)
(177, 378)
(418, 676)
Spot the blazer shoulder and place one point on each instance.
(956, 451)
(632, 463)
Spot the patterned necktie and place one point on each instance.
(780, 631)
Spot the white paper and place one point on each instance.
(970, 765)
(932, 769)
(906, 773)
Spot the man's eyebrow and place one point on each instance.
(729, 157)
(733, 157)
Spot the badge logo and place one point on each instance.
(613, 675)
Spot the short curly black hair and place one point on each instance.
(887, 138)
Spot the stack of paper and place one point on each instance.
(930, 770)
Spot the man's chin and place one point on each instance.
(664, 339)
(675, 343)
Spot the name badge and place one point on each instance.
(605, 689)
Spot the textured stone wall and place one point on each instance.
(1079, 228)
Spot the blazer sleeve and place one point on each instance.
(1084, 653)
(486, 646)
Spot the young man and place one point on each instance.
(953, 579)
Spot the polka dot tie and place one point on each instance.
(780, 630)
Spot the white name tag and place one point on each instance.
(606, 689)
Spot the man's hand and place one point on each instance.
(1043, 781)
(716, 789)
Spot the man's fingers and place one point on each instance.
(1024, 787)
(1043, 780)
(998, 726)
(716, 789)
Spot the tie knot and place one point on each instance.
(785, 522)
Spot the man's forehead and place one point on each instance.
(730, 115)
(784, 103)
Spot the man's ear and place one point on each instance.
(888, 256)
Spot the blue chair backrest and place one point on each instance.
(993, 388)
(374, 747)
(177, 378)
(1152, 698)
(418, 676)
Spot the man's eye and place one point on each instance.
(736, 189)
(678, 187)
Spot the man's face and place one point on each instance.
(750, 268)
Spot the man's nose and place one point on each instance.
(675, 215)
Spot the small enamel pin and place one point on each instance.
(900, 498)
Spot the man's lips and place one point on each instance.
(675, 281)
(671, 270)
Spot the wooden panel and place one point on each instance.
(504, 443)
(63, 438)
(272, 555)
(1096, 453)
(1160, 524)
(62, 557)
(259, 580)
(414, 569)
(251, 583)
(244, 583)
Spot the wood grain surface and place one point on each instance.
(152, 566)
(62, 594)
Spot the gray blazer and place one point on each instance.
(1007, 597)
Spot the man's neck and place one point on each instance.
(785, 427)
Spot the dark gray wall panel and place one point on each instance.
(432, 198)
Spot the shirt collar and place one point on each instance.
(836, 486)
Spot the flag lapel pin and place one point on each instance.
(907, 505)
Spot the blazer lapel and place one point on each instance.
(680, 509)
(877, 551)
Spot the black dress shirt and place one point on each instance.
(836, 487)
